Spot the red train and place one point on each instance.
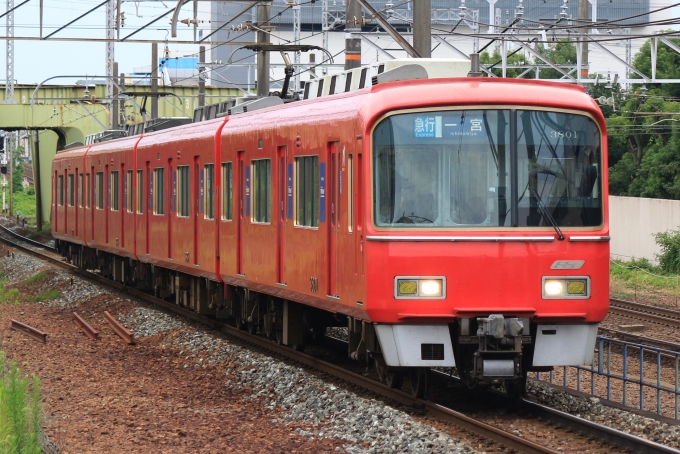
(446, 222)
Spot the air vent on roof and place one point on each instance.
(406, 72)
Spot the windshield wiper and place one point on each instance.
(546, 215)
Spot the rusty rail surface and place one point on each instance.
(122, 331)
(87, 329)
(34, 333)
(646, 312)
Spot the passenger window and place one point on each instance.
(227, 191)
(261, 191)
(159, 191)
(307, 191)
(60, 190)
(87, 190)
(183, 191)
(71, 190)
(140, 192)
(114, 190)
(99, 189)
(80, 190)
(208, 191)
(129, 196)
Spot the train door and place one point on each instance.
(91, 201)
(123, 206)
(242, 188)
(333, 184)
(198, 195)
(358, 210)
(281, 206)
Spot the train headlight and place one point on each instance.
(575, 287)
(420, 287)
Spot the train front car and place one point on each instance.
(488, 246)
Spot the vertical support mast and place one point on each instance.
(110, 35)
(263, 15)
(422, 27)
(296, 40)
(583, 32)
(353, 24)
(9, 82)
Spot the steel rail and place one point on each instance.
(651, 341)
(33, 332)
(435, 410)
(653, 314)
(27, 240)
(87, 329)
(123, 332)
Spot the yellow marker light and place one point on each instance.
(430, 288)
(553, 288)
(408, 287)
(576, 287)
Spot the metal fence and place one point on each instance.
(633, 374)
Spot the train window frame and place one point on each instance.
(140, 192)
(115, 190)
(80, 190)
(87, 190)
(130, 196)
(261, 190)
(99, 190)
(182, 198)
(209, 191)
(71, 190)
(60, 189)
(159, 191)
(227, 191)
(307, 189)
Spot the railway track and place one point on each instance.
(645, 312)
(429, 408)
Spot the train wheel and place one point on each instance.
(516, 388)
(394, 379)
(418, 376)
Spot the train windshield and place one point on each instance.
(487, 168)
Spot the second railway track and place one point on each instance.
(433, 409)
(645, 312)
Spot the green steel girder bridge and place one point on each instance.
(60, 115)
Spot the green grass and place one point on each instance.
(26, 205)
(32, 279)
(627, 278)
(46, 295)
(20, 412)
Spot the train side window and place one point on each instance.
(307, 191)
(159, 191)
(350, 193)
(71, 190)
(114, 190)
(140, 192)
(130, 197)
(208, 191)
(80, 190)
(261, 182)
(87, 190)
(99, 189)
(183, 191)
(227, 191)
(60, 189)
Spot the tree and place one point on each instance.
(561, 52)
(515, 57)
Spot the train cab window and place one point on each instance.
(99, 190)
(114, 196)
(60, 189)
(307, 191)
(80, 190)
(208, 191)
(129, 196)
(261, 189)
(159, 191)
(140, 191)
(227, 191)
(71, 190)
(183, 188)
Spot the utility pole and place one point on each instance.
(583, 32)
(154, 81)
(11, 172)
(114, 99)
(264, 10)
(9, 79)
(110, 35)
(121, 103)
(353, 23)
(422, 27)
(201, 79)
